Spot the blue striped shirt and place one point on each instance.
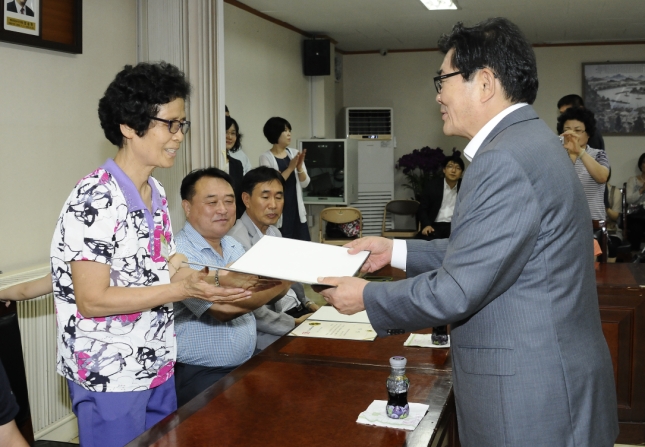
(201, 339)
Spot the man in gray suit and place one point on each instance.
(263, 195)
(516, 279)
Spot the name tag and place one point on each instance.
(164, 247)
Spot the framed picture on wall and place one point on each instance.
(51, 24)
(22, 16)
(615, 92)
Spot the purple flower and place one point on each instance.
(421, 165)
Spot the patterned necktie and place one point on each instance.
(22, 10)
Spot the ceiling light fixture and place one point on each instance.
(439, 4)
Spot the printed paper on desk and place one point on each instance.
(298, 261)
(334, 329)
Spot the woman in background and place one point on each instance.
(291, 163)
(591, 165)
(235, 166)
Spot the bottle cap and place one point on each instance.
(398, 362)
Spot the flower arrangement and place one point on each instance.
(420, 166)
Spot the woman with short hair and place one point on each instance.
(291, 163)
(575, 125)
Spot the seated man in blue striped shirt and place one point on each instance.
(212, 339)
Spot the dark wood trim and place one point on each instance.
(278, 22)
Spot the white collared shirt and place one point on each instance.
(447, 203)
(400, 248)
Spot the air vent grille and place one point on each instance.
(369, 123)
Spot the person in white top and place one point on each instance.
(438, 200)
(291, 163)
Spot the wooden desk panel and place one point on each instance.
(269, 402)
(622, 312)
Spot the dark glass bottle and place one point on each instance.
(397, 389)
(440, 335)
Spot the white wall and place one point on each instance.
(263, 78)
(403, 81)
(51, 136)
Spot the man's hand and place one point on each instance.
(312, 306)
(427, 230)
(380, 252)
(195, 286)
(347, 296)
(301, 319)
(245, 281)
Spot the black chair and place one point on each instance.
(402, 208)
(14, 365)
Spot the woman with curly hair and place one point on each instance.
(111, 265)
(592, 166)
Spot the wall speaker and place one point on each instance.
(315, 58)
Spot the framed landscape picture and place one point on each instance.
(615, 92)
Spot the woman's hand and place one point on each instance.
(252, 283)
(301, 159)
(572, 144)
(196, 286)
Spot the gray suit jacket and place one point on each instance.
(271, 325)
(516, 282)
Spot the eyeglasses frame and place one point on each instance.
(437, 79)
(183, 125)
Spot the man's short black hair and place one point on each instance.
(135, 95)
(578, 113)
(499, 45)
(572, 101)
(274, 127)
(261, 174)
(187, 189)
(455, 159)
(231, 122)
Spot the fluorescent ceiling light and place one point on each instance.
(439, 4)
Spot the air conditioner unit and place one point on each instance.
(368, 123)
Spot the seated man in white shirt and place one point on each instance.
(263, 195)
(438, 200)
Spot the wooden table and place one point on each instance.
(308, 391)
(305, 391)
(621, 297)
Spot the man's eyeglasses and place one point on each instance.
(174, 125)
(438, 79)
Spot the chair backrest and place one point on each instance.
(600, 233)
(402, 208)
(339, 215)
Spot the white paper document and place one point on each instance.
(298, 261)
(334, 329)
(424, 341)
(329, 313)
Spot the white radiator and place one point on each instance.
(48, 396)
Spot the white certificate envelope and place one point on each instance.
(297, 261)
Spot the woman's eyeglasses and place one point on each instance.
(174, 125)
